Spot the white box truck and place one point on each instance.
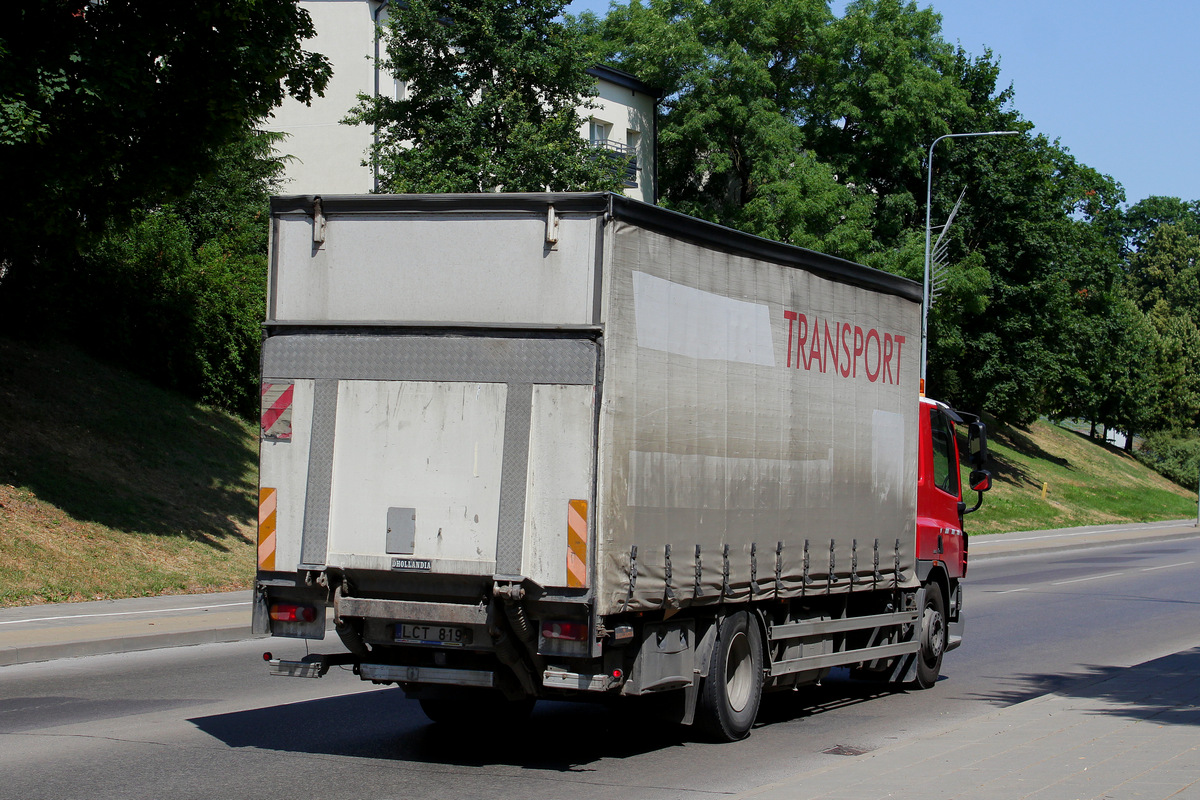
(575, 446)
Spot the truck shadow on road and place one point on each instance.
(383, 724)
(1165, 691)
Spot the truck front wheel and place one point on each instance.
(730, 695)
(933, 636)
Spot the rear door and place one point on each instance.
(443, 452)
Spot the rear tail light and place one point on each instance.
(291, 612)
(565, 638)
(565, 631)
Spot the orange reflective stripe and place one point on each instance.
(267, 503)
(577, 543)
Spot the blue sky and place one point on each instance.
(1114, 80)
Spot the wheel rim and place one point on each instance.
(934, 633)
(739, 672)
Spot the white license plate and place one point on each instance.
(445, 635)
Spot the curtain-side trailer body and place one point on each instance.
(550, 445)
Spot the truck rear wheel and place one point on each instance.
(933, 636)
(731, 694)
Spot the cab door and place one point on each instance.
(939, 494)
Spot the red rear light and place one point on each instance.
(565, 631)
(291, 612)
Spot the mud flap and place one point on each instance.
(691, 694)
(700, 661)
(260, 618)
(956, 629)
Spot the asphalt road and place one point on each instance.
(209, 722)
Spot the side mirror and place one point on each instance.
(980, 481)
(977, 447)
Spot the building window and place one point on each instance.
(598, 132)
(623, 156)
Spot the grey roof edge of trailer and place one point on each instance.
(634, 211)
(591, 202)
(720, 237)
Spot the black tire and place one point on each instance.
(732, 692)
(933, 636)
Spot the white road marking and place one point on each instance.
(1167, 566)
(123, 613)
(1089, 578)
(1010, 591)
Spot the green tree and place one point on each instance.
(1144, 217)
(1165, 274)
(1111, 377)
(107, 107)
(492, 89)
(736, 78)
(1039, 221)
(886, 85)
(178, 293)
(1164, 281)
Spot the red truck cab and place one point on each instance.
(941, 540)
(940, 536)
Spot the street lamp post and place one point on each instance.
(928, 205)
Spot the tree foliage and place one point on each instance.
(491, 91)
(107, 107)
(1176, 457)
(1145, 216)
(1164, 281)
(177, 294)
(737, 77)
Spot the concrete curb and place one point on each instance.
(977, 553)
(123, 644)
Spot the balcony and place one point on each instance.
(622, 155)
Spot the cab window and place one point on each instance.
(945, 465)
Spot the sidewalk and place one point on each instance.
(68, 630)
(1124, 733)
(1053, 541)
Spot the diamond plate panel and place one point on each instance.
(510, 538)
(326, 356)
(315, 540)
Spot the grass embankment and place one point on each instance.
(1087, 481)
(111, 487)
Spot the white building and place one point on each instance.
(327, 157)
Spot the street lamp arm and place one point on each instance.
(928, 212)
